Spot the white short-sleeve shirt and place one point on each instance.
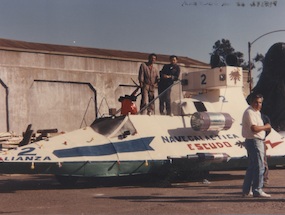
(252, 117)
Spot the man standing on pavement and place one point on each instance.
(148, 78)
(253, 129)
(168, 74)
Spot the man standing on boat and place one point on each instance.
(148, 78)
(168, 74)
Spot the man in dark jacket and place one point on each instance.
(168, 74)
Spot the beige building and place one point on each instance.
(66, 87)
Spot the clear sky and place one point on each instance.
(181, 27)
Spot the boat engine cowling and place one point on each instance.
(211, 121)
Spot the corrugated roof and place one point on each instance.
(6, 44)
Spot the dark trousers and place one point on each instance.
(165, 102)
(266, 171)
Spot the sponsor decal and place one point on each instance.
(207, 142)
(208, 146)
(26, 154)
(273, 145)
(174, 139)
(235, 76)
(25, 158)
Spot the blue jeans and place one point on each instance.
(254, 173)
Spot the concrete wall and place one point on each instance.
(60, 91)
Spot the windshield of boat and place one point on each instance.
(107, 125)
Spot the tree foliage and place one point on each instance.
(223, 48)
(258, 58)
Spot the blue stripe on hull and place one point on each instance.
(142, 144)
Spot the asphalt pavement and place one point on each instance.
(219, 193)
